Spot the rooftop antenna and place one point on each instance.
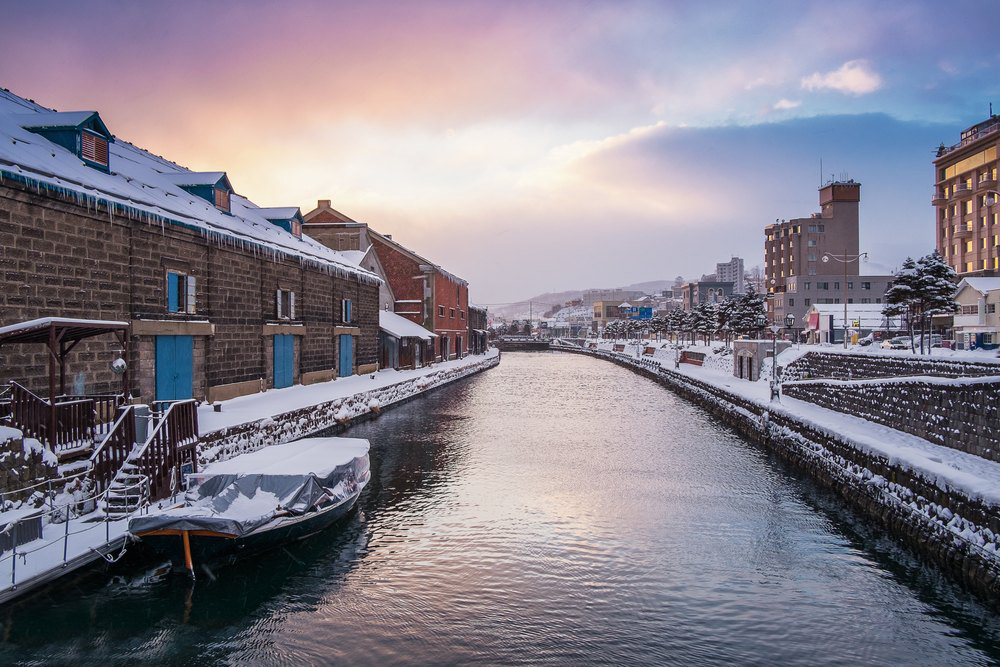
(821, 172)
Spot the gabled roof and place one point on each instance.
(982, 285)
(412, 255)
(144, 187)
(329, 211)
(57, 120)
(197, 178)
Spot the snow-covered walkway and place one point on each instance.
(63, 547)
(947, 468)
(274, 402)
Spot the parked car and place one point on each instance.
(903, 342)
(897, 343)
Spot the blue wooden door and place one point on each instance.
(174, 362)
(346, 355)
(284, 360)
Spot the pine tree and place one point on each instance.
(937, 291)
(901, 296)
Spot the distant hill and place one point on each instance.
(544, 302)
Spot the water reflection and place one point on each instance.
(556, 510)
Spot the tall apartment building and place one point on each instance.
(732, 272)
(796, 247)
(965, 199)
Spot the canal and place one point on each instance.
(555, 510)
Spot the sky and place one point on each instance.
(536, 146)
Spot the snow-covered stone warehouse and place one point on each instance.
(222, 297)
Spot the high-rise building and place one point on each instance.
(965, 199)
(796, 247)
(794, 271)
(732, 272)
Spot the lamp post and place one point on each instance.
(844, 259)
(775, 328)
(761, 321)
(790, 324)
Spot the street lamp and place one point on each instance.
(775, 328)
(761, 321)
(844, 259)
(790, 324)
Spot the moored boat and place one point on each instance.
(259, 500)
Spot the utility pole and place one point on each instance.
(845, 259)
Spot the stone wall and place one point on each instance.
(23, 463)
(61, 258)
(813, 365)
(958, 533)
(961, 414)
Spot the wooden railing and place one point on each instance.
(105, 410)
(170, 446)
(114, 450)
(79, 420)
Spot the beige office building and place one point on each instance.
(965, 199)
(794, 248)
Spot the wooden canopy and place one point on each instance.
(61, 335)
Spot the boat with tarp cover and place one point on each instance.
(259, 500)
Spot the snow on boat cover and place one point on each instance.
(242, 494)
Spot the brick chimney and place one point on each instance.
(323, 203)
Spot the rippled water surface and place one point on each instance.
(555, 510)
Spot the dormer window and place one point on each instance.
(288, 218)
(212, 186)
(83, 133)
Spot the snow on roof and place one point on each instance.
(144, 186)
(400, 327)
(625, 304)
(43, 322)
(195, 177)
(280, 212)
(981, 285)
(53, 119)
(317, 456)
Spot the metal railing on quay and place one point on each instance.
(57, 511)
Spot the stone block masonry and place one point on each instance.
(963, 414)
(814, 365)
(23, 463)
(58, 257)
(947, 526)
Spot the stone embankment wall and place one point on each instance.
(23, 463)
(813, 365)
(338, 413)
(961, 414)
(958, 533)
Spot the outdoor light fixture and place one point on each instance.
(789, 321)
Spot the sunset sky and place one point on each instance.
(536, 146)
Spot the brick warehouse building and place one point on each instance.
(224, 298)
(420, 290)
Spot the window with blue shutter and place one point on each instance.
(181, 293)
(173, 292)
(345, 310)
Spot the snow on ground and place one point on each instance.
(44, 555)
(974, 476)
(273, 402)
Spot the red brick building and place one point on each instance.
(417, 288)
(223, 297)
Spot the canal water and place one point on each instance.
(557, 510)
